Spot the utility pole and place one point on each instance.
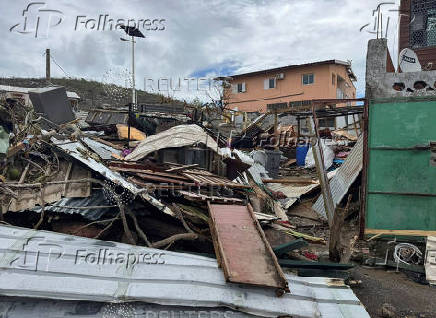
(47, 65)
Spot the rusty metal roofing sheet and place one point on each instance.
(205, 177)
(178, 279)
(243, 251)
(344, 177)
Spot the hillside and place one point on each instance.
(93, 94)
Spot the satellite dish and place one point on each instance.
(409, 61)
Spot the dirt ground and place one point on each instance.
(403, 293)
(409, 298)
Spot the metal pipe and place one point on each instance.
(133, 72)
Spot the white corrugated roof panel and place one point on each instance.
(40, 264)
(346, 174)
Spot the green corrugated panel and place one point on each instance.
(394, 173)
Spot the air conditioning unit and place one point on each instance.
(280, 76)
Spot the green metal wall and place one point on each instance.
(401, 183)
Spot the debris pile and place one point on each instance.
(181, 189)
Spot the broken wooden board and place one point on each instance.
(242, 249)
(135, 134)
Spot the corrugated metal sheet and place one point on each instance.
(81, 116)
(161, 108)
(430, 260)
(70, 268)
(25, 90)
(17, 307)
(293, 193)
(107, 117)
(74, 206)
(104, 151)
(175, 137)
(344, 178)
(258, 172)
(78, 151)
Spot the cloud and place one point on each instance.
(201, 38)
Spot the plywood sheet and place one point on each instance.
(242, 249)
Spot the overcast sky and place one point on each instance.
(201, 38)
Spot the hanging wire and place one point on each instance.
(54, 61)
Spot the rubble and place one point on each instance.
(181, 189)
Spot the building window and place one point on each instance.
(333, 79)
(327, 122)
(241, 87)
(238, 88)
(422, 24)
(269, 83)
(300, 103)
(308, 79)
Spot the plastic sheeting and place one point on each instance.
(4, 140)
(328, 152)
(178, 136)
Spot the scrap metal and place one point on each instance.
(156, 281)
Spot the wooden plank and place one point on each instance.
(182, 168)
(287, 180)
(400, 232)
(241, 246)
(282, 249)
(135, 134)
(310, 264)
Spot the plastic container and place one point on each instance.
(302, 150)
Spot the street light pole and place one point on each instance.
(132, 32)
(133, 72)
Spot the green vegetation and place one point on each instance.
(92, 94)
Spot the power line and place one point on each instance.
(54, 61)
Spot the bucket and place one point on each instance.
(302, 150)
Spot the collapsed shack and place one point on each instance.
(160, 192)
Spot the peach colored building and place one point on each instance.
(295, 84)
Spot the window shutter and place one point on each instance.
(234, 88)
(243, 87)
(266, 84)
